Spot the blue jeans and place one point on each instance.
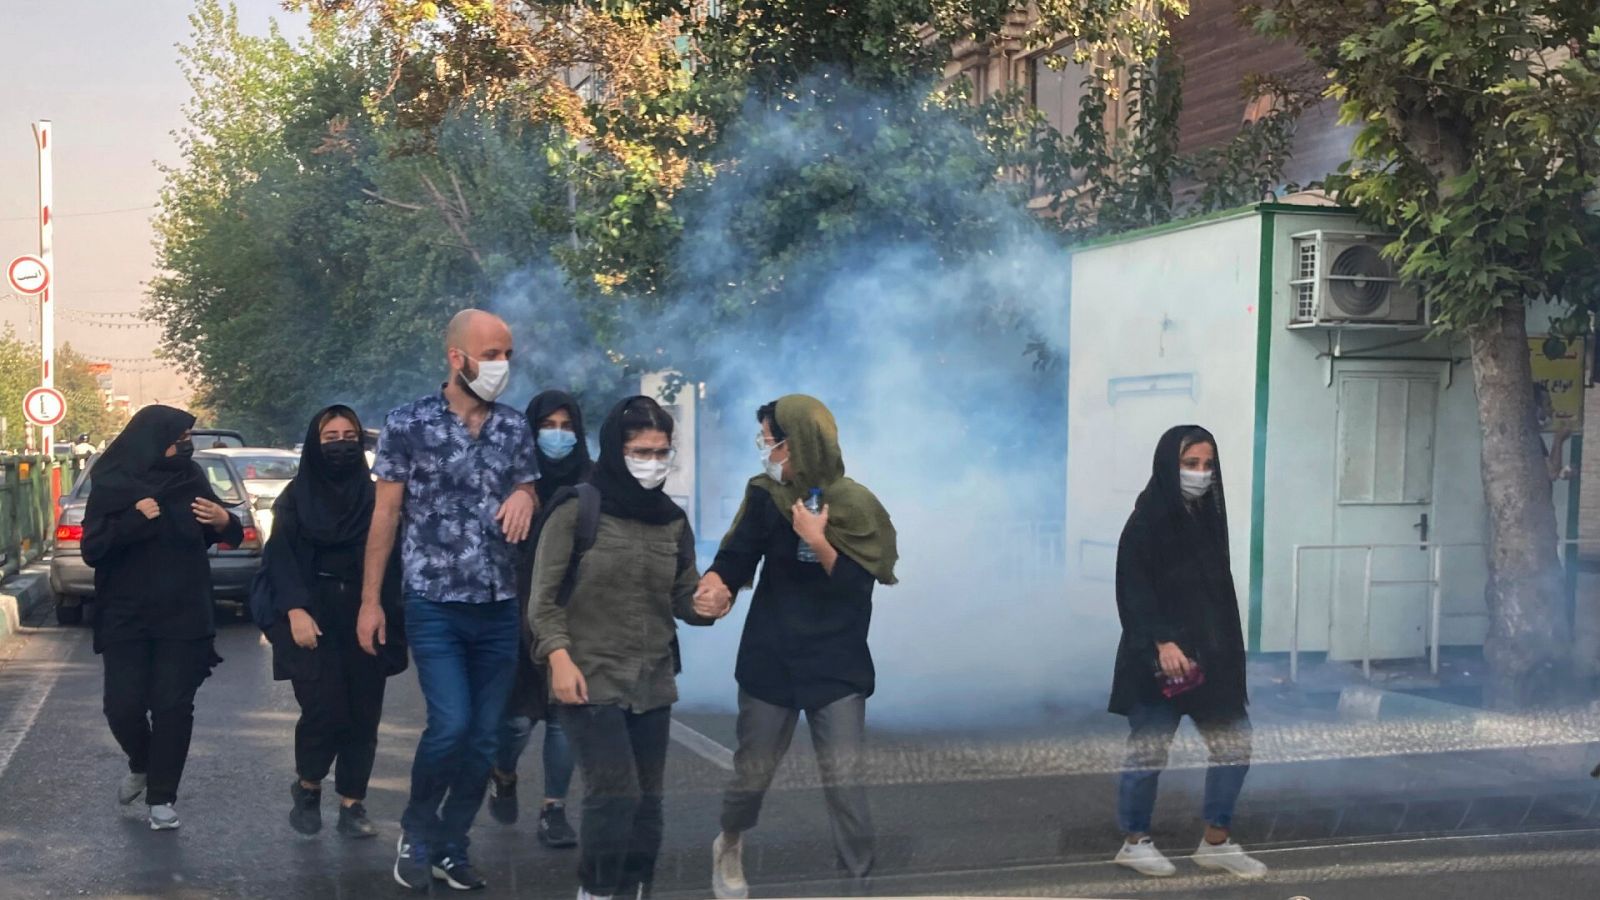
(1152, 728)
(466, 660)
(515, 734)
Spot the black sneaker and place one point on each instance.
(459, 874)
(306, 815)
(554, 831)
(353, 822)
(503, 799)
(411, 869)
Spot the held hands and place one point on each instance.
(812, 527)
(712, 599)
(1174, 664)
(372, 631)
(149, 507)
(304, 629)
(209, 514)
(516, 515)
(566, 681)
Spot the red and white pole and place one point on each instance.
(47, 307)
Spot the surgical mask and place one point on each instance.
(557, 443)
(491, 381)
(342, 457)
(1195, 484)
(650, 473)
(774, 470)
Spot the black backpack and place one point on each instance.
(583, 537)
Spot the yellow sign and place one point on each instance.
(1557, 382)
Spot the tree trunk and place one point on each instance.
(1529, 642)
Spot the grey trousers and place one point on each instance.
(838, 732)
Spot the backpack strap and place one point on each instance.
(583, 536)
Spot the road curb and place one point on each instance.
(20, 595)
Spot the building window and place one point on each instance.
(1057, 92)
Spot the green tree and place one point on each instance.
(1479, 149)
(19, 373)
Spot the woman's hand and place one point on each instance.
(812, 527)
(1174, 664)
(210, 514)
(566, 681)
(304, 628)
(712, 599)
(149, 507)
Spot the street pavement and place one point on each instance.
(1026, 811)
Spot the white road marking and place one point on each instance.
(17, 725)
(705, 747)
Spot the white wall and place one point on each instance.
(1180, 304)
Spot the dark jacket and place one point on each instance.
(805, 638)
(152, 577)
(298, 569)
(1175, 584)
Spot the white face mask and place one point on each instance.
(1195, 484)
(491, 381)
(774, 470)
(650, 473)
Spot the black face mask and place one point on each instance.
(180, 459)
(342, 457)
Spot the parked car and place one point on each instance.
(266, 471)
(216, 438)
(232, 568)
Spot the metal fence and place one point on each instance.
(27, 510)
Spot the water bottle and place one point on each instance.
(813, 503)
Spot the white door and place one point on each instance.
(1384, 454)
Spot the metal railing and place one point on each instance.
(27, 516)
(1433, 583)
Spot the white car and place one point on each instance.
(266, 472)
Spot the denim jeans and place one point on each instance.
(517, 731)
(1152, 727)
(466, 660)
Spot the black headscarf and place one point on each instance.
(333, 509)
(555, 474)
(129, 472)
(621, 494)
(1175, 583)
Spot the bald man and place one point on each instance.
(457, 470)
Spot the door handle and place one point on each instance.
(1422, 526)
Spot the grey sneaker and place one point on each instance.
(130, 789)
(353, 822)
(727, 870)
(163, 817)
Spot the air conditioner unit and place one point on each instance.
(1344, 279)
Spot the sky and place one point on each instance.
(105, 73)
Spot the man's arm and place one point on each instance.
(380, 539)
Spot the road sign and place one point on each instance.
(28, 275)
(44, 406)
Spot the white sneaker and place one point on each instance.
(1229, 857)
(727, 871)
(1145, 859)
(163, 817)
(132, 786)
(585, 895)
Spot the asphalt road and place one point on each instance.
(1423, 826)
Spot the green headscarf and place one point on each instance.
(858, 525)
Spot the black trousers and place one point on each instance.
(149, 703)
(340, 690)
(623, 758)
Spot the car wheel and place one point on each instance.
(69, 613)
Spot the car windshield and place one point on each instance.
(266, 468)
(203, 441)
